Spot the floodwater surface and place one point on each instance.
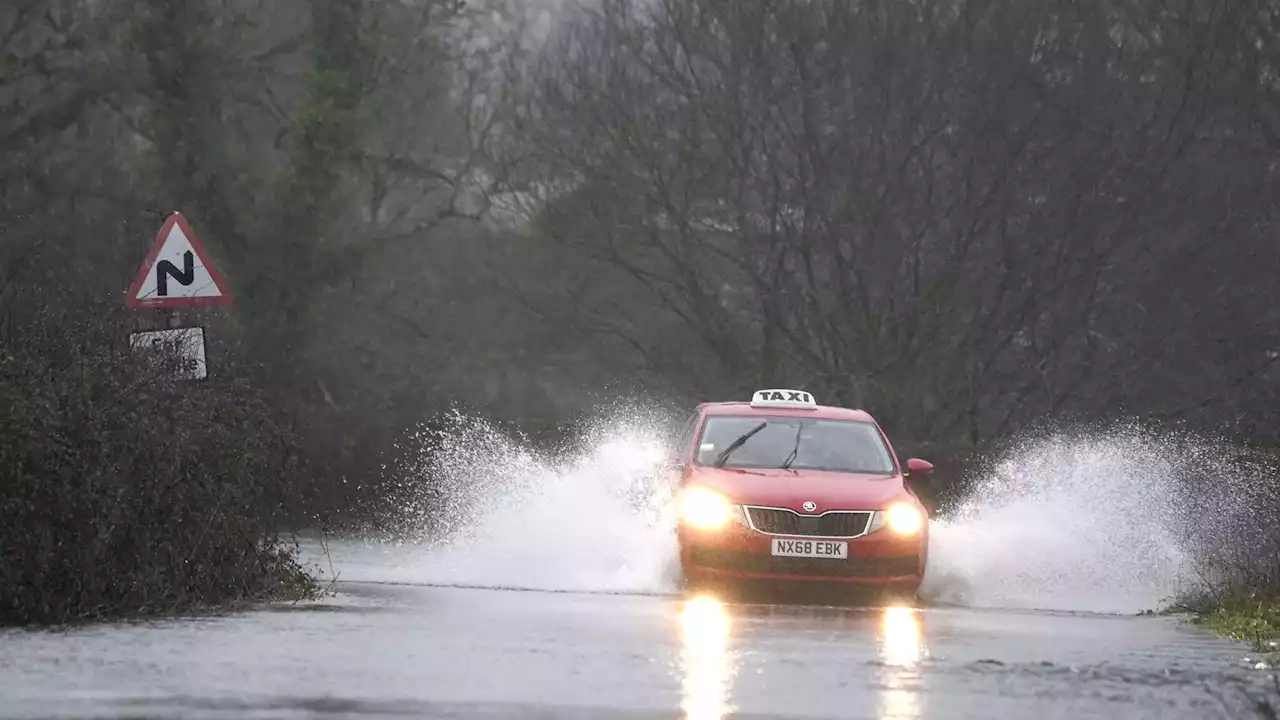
(380, 649)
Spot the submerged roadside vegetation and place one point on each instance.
(126, 492)
(1254, 621)
(1242, 603)
(1239, 560)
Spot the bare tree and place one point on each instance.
(938, 211)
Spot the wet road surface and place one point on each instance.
(400, 650)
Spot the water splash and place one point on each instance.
(1119, 520)
(1116, 520)
(500, 514)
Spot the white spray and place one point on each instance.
(596, 519)
(1068, 523)
(1102, 522)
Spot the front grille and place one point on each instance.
(854, 567)
(775, 521)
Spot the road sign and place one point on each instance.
(178, 272)
(186, 344)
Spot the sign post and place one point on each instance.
(177, 274)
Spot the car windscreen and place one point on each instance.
(833, 445)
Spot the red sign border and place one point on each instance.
(132, 299)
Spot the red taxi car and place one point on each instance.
(781, 488)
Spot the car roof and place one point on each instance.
(822, 412)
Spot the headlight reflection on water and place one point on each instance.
(902, 647)
(707, 666)
(901, 641)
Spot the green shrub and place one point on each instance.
(126, 492)
(1256, 622)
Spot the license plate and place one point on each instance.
(811, 548)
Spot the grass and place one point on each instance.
(1238, 593)
(1254, 622)
(1231, 610)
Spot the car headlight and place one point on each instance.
(706, 509)
(901, 518)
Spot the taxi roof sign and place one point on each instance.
(782, 398)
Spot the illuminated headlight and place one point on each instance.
(901, 518)
(707, 509)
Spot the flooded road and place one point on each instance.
(387, 649)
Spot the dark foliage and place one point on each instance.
(125, 491)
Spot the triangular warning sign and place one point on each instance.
(177, 272)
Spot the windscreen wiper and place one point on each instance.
(724, 454)
(786, 464)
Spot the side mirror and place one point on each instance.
(919, 478)
(916, 465)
